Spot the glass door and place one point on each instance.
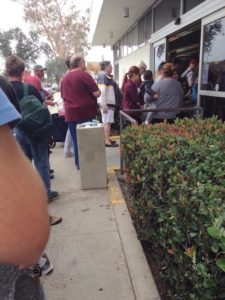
(212, 62)
(159, 53)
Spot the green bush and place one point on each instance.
(176, 184)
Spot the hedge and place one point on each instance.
(176, 184)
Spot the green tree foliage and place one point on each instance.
(60, 22)
(56, 68)
(28, 47)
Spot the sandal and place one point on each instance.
(54, 220)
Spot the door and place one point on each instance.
(212, 59)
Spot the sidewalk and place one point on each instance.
(86, 250)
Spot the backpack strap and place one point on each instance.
(25, 90)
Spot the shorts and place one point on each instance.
(17, 284)
(108, 117)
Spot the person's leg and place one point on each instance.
(107, 129)
(72, 127)
(68, 144)
(24, 142)
(28, 288)
(40, 156)
(150, 114)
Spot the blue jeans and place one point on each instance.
(36, 151)
(73, 130)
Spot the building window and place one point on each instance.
(135, 38)
(130, 42)
(125, 46)
(121, 48)
(213, 65)
(116, 51)
(190, 4)
(148, 25)
(160, 55)
(141, 32)
(116, 72)
(165, 12)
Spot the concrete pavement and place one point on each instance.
(91, 258)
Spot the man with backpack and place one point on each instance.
(24, 224)
(35, 128)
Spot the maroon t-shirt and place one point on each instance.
(76, 90)
(131, 100)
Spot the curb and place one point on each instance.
(142, 281)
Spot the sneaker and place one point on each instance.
(47, 268)
(53, 196)
(51, 171)
(55, 220)
(51, 176)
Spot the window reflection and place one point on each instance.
(160, 55)
(190, 4)
(213, 67)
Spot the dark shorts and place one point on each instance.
(17, 284)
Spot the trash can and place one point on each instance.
(92, 156)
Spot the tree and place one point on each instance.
(61, 23)
(56, 68)
(28, 47)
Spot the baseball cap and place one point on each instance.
(39, 68)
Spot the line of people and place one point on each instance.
(169, 90)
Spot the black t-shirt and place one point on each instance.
(19, 89)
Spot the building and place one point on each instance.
(156, 31)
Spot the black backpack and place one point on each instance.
(36, 120)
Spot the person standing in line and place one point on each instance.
(24, 221)
(68, 144)
(169, 94)
(107, 100)
(190, 73)
(148, 95)
(34, 150)
(142, 67)
(131, 99)
(79, 92)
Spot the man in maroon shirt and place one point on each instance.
(80, 93)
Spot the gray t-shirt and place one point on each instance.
(16, 284)
(170, 96)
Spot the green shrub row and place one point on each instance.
(176, 184)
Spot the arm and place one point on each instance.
(24, 221)
(91, 85)
(102, 98)
(97, 94)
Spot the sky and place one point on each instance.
(11, 15)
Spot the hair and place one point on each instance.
(168, 69)
(161, 66)
(67, 61)
(132, 71)
(9, 91)
(148, 75)
(14, 65)
(104, 64)
(75, 61)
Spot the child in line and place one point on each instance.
(148, 95)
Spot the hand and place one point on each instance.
(105, 109)
(49, 102)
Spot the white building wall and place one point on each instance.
(133, 59)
